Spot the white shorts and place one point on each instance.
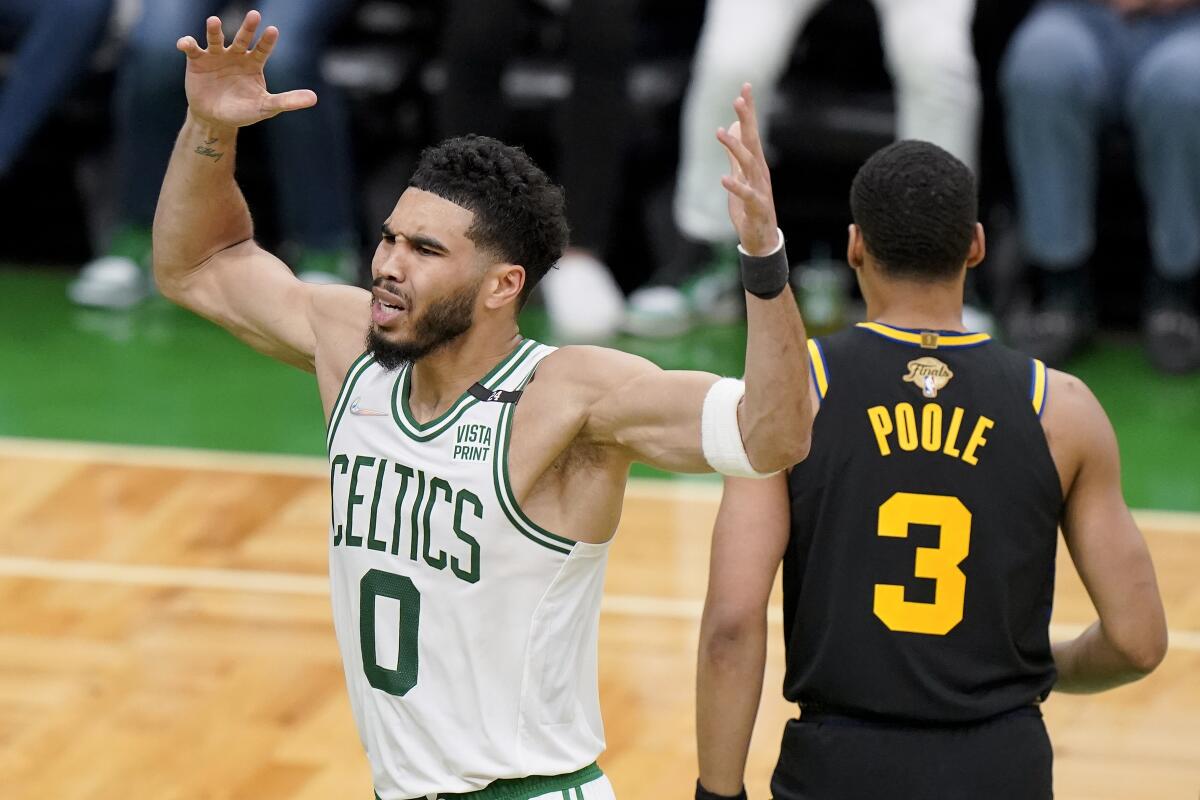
(585, 784)
(598, 789)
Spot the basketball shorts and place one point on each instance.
(598, 789)
(588, 783)
(832, 757)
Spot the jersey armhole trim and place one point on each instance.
(1039, 387)
(504, 492)
(355, 371)
(820, 372)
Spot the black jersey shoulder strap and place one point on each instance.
(486, 395)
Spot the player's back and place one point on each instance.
(919, 575)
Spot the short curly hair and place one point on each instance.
(520, 214)
(917, 207)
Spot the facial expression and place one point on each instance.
(426, 276)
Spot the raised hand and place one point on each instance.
(751, 204)
(226, 86)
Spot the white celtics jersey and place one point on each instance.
(468, 633)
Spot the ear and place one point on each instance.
(504, 285)
(856, 248)
(978, 247)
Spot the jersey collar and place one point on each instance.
(925, 339)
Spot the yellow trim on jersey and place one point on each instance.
(930, 340)
(1038, 392)
(818, 367)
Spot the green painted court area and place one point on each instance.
(160, 376)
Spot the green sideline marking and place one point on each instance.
(159, 375)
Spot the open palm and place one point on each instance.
(751, 203)
(226, 85)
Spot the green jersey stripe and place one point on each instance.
(501, 457)
(342, 390)
(506, 483)
(512, 359)
(348, 389)
(507, 498)
(402, 414)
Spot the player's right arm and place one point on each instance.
(205, 257)
(1130, 637)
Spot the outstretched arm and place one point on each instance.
(776, 415)
(205, 257)
(1130, 637)
(656, 415)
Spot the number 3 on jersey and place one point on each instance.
(938, 563)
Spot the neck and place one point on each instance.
(441, 377)
(916, 305)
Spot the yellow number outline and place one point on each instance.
(939, 563)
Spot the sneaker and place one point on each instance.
(582, 299)
(715, 294)
(977, 320)
(657, 312)
(1172, 337)
(321, 278)
(327, 266)
(1052, 335)
(110, 282)
(672, 307)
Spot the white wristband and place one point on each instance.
(776, 249)
(721, 437)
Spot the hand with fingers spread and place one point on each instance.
(226, 86)
(751, 204)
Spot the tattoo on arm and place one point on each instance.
(207, 150)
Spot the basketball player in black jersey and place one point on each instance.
(918, 537)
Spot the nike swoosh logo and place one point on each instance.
(359, 411)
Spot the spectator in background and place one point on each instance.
(1072, 69)
(50, 57)
(930, 58)
(315, 199)
(583, 301)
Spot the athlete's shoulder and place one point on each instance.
(1070, 406)
(582, 358)
(589, 369)
(1077, 427)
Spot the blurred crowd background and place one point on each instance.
(1081, 119)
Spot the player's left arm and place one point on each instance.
(679, 420)
(1109, 551)
(749, 539)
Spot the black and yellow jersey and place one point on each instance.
(919, 575)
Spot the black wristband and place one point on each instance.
(705, 794)
(765, 277)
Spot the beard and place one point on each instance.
(442, 322)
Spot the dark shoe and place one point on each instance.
(1052, 335)
(1173, 339)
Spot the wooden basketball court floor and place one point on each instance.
(165, 634)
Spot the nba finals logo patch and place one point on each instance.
(928, 374)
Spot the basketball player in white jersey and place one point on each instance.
(477, 476)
